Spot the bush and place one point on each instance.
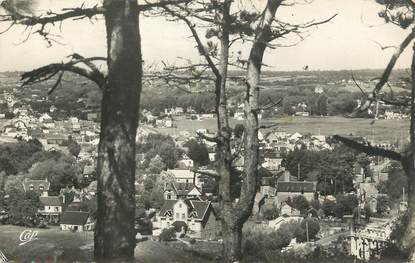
(260, 244)
(269, 211)
(192, 241)
(167, 234)
(328, 207)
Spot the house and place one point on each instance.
(44, 117)
(294, 137)
(51, 208)
(91, 189)
(76, 221)
(92, 116)
(287, 210)
(56, 139)
(291, 189)
(185, 176)
(212, 156)
(185, 162)
(272, 160)
(174, 191)
(88, 171)
(239, 115)
(198, 217)
(38, 186)
(10, 131)
(368, 194)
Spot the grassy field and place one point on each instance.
(380, 130)
(54, 245)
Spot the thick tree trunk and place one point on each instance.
(233, 238)
(232, 250)
(235, 215)
(409, 166)
(114, 230)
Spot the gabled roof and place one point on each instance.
(74, 218)
(199, 209)
(50, 200)
(36, 184)
(296, 186)
(168, 205)
(183, 188)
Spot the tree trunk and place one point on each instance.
(233, 238)
(114, 230)
(408, 164)
(235, 215)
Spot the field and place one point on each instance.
(54, 245)
(380, 131)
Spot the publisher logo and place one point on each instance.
(28, 235)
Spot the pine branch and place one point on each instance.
(368, 149)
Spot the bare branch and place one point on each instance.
(272, 104)
(200, 46)
(239, 149)
(49, 71)
(386, 73)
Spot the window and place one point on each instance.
(183, 216)
(180, 205)
(31, 187)
(169, 196)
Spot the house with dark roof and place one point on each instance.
(76, 221)
(56, 139)
(174, 191)
(291, 189)
(198, 218)
(51, 208)
(38, 186)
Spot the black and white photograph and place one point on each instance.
(207, 131)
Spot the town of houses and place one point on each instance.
(189, 202)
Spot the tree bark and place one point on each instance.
(235, 215)
(231, 244)
(114, 230)
(408, 164)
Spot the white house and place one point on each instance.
(76, 221)
(198, 217)
(185, 162)
(185, 176)
(51, 208)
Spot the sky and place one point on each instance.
(347, 42)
